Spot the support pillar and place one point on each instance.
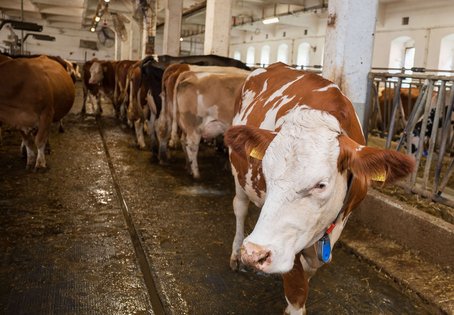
(125, 49)
(349, 47)
(217, 27)
(151, 9)
(136, 40)
(172, 27)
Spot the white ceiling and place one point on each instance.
(78, 14)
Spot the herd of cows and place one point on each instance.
(296, 147)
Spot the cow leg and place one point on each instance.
(151, 130)
(192, 148)
(83, 111)
(296, 288)
(240, 208)
(138, 126)
(27, 142)
(41, 140)
(162, 137)
(61, 129)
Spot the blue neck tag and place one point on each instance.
(324, 248)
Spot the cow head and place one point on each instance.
(305, 166)
(96, 73)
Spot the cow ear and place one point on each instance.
(248, 141)
(367, 163)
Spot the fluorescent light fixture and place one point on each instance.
(271, 20)
(97, 18)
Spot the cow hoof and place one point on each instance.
(235, 263)
(40, 169)
(154, 159)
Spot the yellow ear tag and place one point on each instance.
(381, 177)
(256, 154)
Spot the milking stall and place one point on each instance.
(226, 157)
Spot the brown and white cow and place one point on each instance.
(90, 90)
(102, 73)
(121, 92)
(204, 102)
(38, 91)
(295, 146)
(138, 111)
(167, 123)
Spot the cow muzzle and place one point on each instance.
(256, 256)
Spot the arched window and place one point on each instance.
(446, 58)
(282, 53)
(402, 53)
(302, 58)
(265, 56)
(250, 56)
(237, 55)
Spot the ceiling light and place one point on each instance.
(271, 20)
(106, 1)
(181, 39)
(92, 29)
(97, 18)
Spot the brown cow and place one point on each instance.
(138, 110)
(37, 92)
(297, 151)
(121, 92)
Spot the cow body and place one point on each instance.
(38, 91)
(167, 126)
(102, 73)
(90, 90)
(138, 111)
(203, 60)
(204, 102)
(121, 91)
(295, 145)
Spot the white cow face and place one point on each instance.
(96, 73)
(305, 190)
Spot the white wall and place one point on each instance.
(66, 45)
(429, 23)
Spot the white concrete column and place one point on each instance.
(125, 50)
(136, 40)
(349, 46)
(172, 27)
(217, 27)
(117, 47)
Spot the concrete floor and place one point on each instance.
(67, 248)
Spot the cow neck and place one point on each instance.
(324, 243)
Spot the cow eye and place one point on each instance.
(320, 186)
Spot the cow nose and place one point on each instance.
(255, 256)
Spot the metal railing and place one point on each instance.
(414, 113)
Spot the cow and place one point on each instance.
(73, 70)
(202, 60)
(121, 95)
(139, 110)
(152, 79)
(297, 151)
(90, 90)
(38, 92)
(103, 74)
(204, 102)
(166, 126)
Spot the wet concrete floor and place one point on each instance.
(66, 247)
